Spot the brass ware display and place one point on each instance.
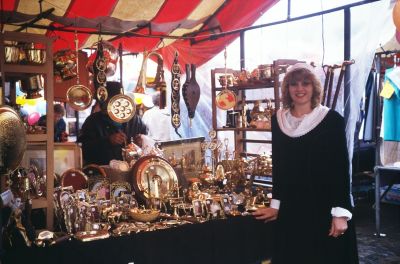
(158, 82)
(12, 139)
(226, 99)
(32, 86)
(79, 97)
(110, 56)
(75, 178)
(153, 176)
(24, 53)
(260, 117)
(144, 215)
(121, 108)
(175, 94)
(86, 236)
(118, 188)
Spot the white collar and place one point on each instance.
(309, 122)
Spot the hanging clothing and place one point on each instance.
(391, 109)
(310, 179)
(370, 105)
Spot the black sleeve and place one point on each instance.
(276, 175)
(339, 191)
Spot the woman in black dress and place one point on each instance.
(311, 184)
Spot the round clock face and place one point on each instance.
(154, 176)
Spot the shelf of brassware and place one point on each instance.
(46, 70)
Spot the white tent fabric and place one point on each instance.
(319, 39)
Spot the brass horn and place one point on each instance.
(158, 83)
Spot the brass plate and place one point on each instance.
(79, 97)
(226, 99)
(121, 108)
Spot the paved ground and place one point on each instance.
(373, 249)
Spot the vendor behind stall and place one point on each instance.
(102, 138)
(59, 124)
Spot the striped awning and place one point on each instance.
(195, 28)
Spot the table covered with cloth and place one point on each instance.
(239, 239)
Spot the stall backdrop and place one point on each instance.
(142, 25)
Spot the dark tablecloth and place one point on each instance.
(235, 240)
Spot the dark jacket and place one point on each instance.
(94, 136)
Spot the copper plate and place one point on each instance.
(94, 170)
(75, 178)
(79, 97)
(226, 99)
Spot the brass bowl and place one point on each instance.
(144, 215)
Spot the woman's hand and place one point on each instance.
(338, 226)
(267, 214)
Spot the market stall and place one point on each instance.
(114, 188)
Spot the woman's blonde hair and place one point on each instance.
(298, 75)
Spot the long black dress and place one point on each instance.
(311, 176)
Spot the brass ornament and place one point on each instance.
(12, 139)
(121, 108)
(79, 97)
(101, 93)
(153, 177)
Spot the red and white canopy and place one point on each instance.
(139, 24)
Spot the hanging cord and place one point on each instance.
(77, 57)
(323, 39)
(226, 77)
